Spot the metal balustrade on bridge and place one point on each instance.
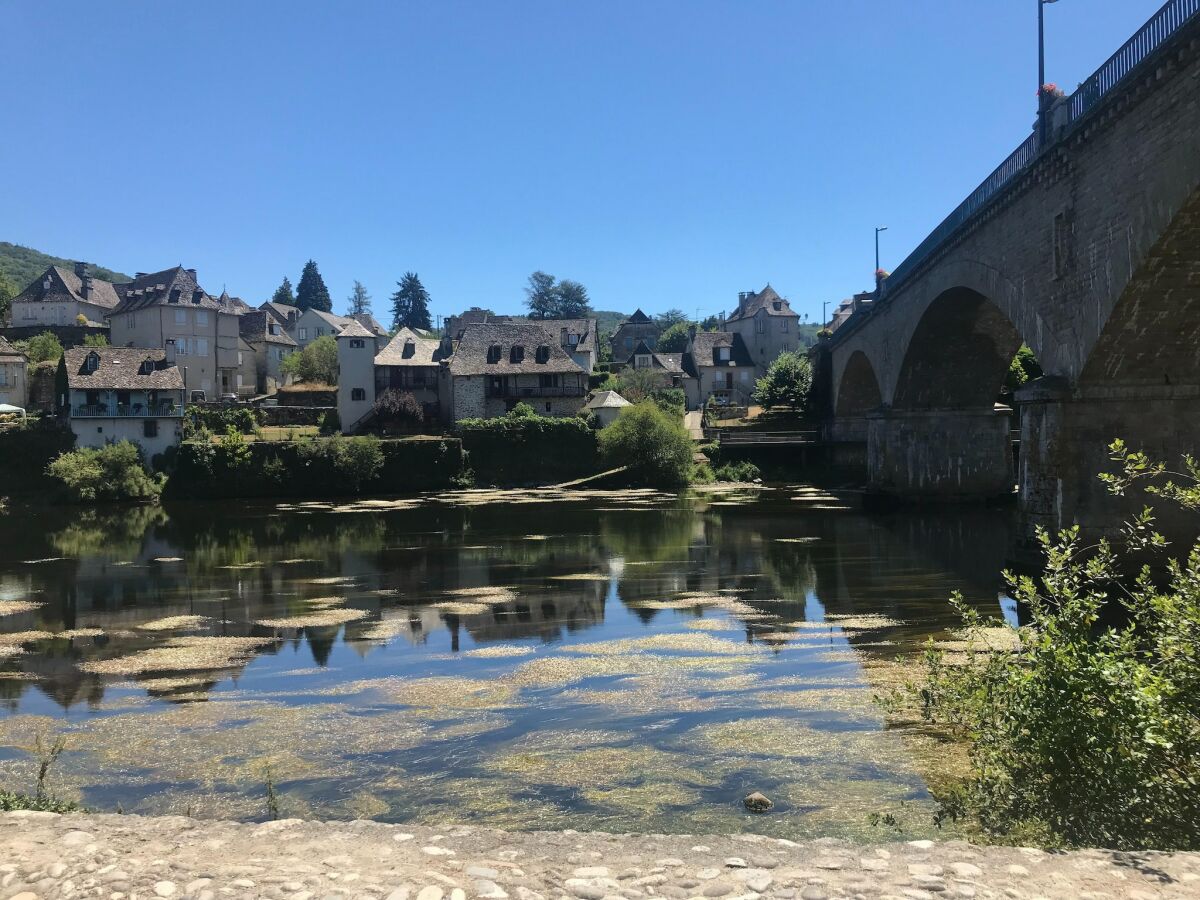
(1162, 26)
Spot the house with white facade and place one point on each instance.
(109, 394)
(719, 369)
(315, 323)
(356, 375)
(270, 344)
(14, 390)
(61, 296)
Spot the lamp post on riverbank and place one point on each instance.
(1041, 96)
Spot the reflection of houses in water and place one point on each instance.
(544, 615)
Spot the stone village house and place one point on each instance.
(108, 394)
(60, 296)
(636, 329)
(270, 344)
(412, 363)
(767, 325)
(170, 308)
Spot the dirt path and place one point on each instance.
(128, 857)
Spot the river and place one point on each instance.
(619, 661)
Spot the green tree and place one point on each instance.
(1082, 725)
(674, 339)
(410, 304)
(671, 317)
(95, 340)
(1023, 368)
(283, 293)
(311, 292)
(788, 382)
(571, 301)
(7, 292)
(112, 472)
(44, 347)
(315, 364)
(541, 296)
(359, 300)
(654, 446)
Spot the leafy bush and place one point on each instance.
(674, 339)
(44, 347)
(10, 802)
(1023, 368)
(1085, 733)
(317, 362)
(329, 422)
(112, 472)
(400, 409)
(95, 340)
(654, 446)
(740, 471)
(672, 401)
(788, 382)
(349, 462)
(523, 447)
(219, 418)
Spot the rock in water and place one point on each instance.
(758, 803)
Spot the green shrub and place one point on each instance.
(44, 347)
(523, 447)
(1084, 733)
(219, 418)
(329, 422)
(788, 382)
(112, 472)
(672, 401)
(10, 802)
(316, 363)
(738, 471)
(654, 446)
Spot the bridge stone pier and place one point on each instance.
(1085, 247)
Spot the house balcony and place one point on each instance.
(130, 411)
(522, 391)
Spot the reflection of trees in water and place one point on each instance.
(101, 531)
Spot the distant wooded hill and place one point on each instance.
(21, 266)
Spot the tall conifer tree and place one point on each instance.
(311, 292)
(410, 304)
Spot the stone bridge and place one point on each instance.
(1086, 247)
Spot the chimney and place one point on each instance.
(191, 272)
(563, 337)
(85, 287)
(722, 321)
(81, 269)
(170, 350)
(692, 332)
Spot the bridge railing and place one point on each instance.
(1149, 38)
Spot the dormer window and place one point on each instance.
(494, 354)
(272, 328)
(91, 363)
(174, 298)
(723, 354)
(642, 361)
(777, 305)
(517, 354)
(47, 284)
(410, 349)
(147, 367)
(542, 355)
(196, 296)
(572, 339)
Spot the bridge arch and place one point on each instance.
(957, 355)
(858, 391)
(1152, 335)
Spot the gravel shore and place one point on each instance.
(43, 855)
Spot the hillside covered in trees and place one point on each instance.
(20, 266)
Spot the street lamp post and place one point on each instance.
(877, 230)
(1042, 70)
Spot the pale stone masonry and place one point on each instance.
(60, 296)
(767, 325)
(14, 390)
(44, 856)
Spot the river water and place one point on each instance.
(619, 661)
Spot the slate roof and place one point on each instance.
(338, 322)
(280, 311)
(670, 362)
(8, 351)
(158, 289)
(353, 328)
(66, 285)
(408, 348)
(585, 328)
(253, 328)
(638, 318)
(120, 369)
(607, 400)
(471, 355)
(369, 322)
(703, 352)
(766, 300)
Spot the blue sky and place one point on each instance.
(666, 154)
